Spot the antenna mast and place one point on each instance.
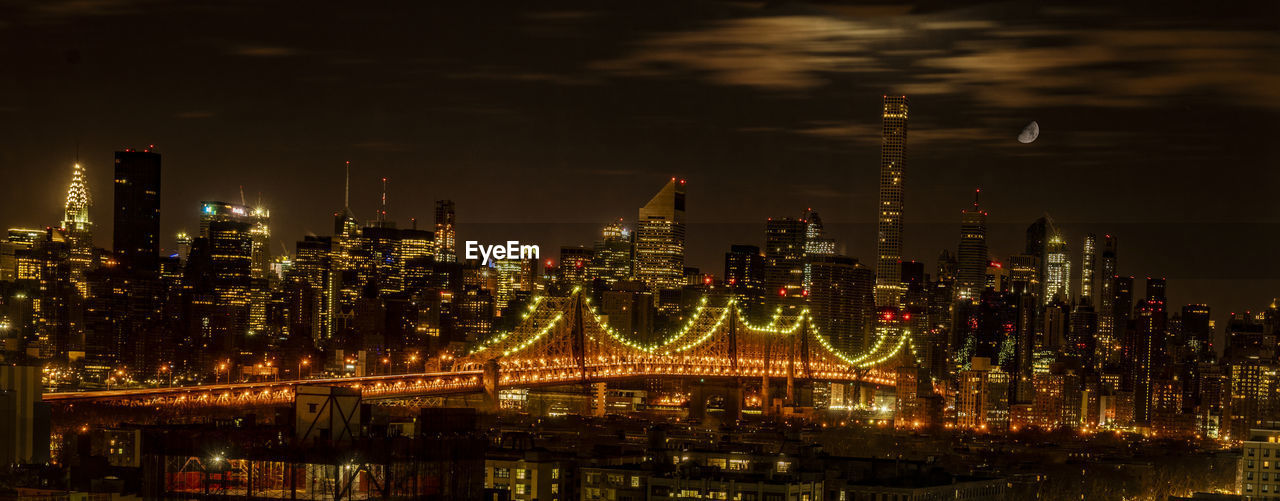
(382, 214)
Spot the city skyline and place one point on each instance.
(708, 251)
(703, 249)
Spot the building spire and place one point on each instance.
(346, 191)
(76, 210)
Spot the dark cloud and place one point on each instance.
(264, 51)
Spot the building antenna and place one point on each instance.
(382, 214)
(346, 193)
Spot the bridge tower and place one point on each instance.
(733, 338)
(791, 371)
(578, 338)
(766, 394)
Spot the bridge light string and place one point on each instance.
(533, 306)
(693, 320)
(618, 337)
(535, 338)
(906, 338)
(854, 361)
(710, 332)
(772, 323)
(772, 326)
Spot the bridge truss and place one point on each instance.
(564, 340)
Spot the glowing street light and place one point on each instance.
(306, 362)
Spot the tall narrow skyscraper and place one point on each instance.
(136, 235)
(659, 246)
(971, 272)
(1088, 268)
(1109, 333)
(1057, 270)
(744, 270)
(612, 260)
(893, 145)
(345, 224)
(784, 256)
(1150, 324)
(75, 216)
(77, 228)
(261, 235)
(446, 244)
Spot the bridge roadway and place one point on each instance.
(419, 385)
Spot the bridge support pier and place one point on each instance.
(698, 402)
(733, 401)
(490, 379)
(766, 397)
(731, 392)
(791, 387)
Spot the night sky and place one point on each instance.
(542, 123)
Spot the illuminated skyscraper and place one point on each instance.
(258, 221)
(612, 259)
(446, 234)
(893, 144)
(1197, 328)
(136, 214)
(77, 228)
(260, 234)
(983, 400)
(1057, 279)
(1110, 334)
(575, 265)
(75, 218)
(971, 271)
(1037, 237)
(815, 245)
(842, 301)
(1024, 274)
(1088, 268)
(784, 257)
(1150, 320)
(659, 247)
(514, 277)
(345, 223)
(315, 289)
(744, 275)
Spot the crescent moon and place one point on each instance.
(1029, 133)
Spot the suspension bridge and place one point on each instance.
(566, 340)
